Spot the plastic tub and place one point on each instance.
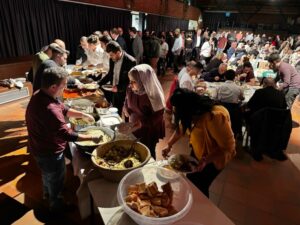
(182, 194)
(113, 110)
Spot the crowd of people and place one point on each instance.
(133, 61)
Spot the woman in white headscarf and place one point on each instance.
(144, 105)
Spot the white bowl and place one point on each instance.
(113, 110)
(182, 193)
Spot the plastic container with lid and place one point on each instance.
(113, 110)
(182, 193)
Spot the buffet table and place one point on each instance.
(84, 169)
(97, 191)
(94, 190)
(104, 195)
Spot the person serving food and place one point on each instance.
(48, 133)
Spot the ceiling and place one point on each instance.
(283, 7)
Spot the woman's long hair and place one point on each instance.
(189, 104)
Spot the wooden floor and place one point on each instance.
(248, 192)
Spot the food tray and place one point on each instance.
(83, 105)
(110, 120)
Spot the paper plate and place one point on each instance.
(107, 87)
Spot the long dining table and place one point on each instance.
(248, 90)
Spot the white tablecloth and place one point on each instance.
(212, 88)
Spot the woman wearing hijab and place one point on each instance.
(144, 105)
(210, 135)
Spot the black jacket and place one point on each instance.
(213, 64)
(122, 42)
(119, 97)
(210, 76)
(267, 97)
(195, 41)
(80, 54)
(270, 130)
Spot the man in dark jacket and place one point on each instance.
(115, 35)
(170, 41)
(81, 56)
(153, 54)
(270, 124)
(119, 66)
(216, 75)
(136, 49)
(268, 96)
(197, 43)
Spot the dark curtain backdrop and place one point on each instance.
(216, 21)
(162, 23)
(28, 25)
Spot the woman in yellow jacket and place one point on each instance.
(211, 137)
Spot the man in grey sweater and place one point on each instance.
(289, 76)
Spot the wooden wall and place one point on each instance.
(15, 67)
(170, 8)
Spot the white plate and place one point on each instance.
(107, 87)
(21, 79)
(90, 86)
(165, 174)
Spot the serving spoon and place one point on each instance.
(88, 153)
